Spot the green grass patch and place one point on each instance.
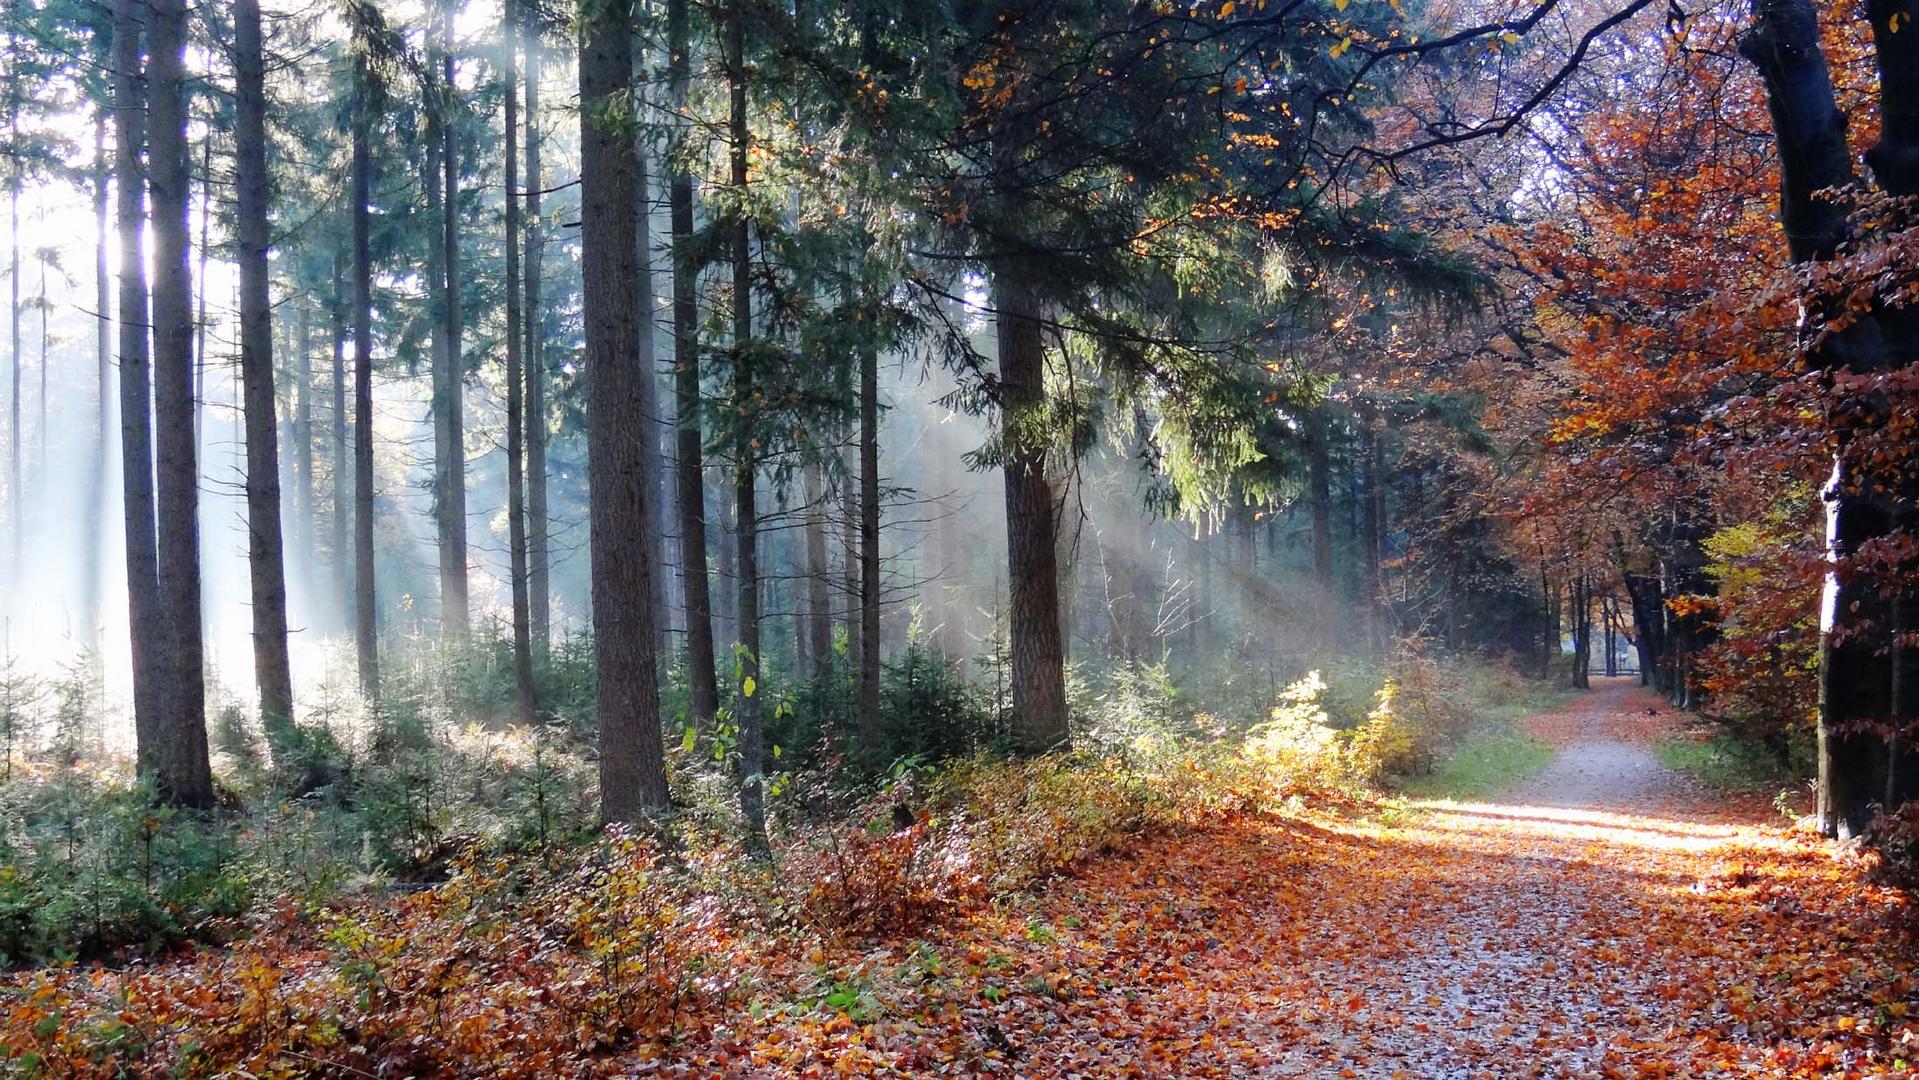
(1730, 763)
(1485, 763)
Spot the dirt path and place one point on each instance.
(1607, 918)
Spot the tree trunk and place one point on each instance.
(16, 483)
(1648, 607)
(632, 754)
(148, 627)
(342, 565)
(1038, 659)
(1319, 497)
(751, 747)
(646, 304)
(182, 772)
(819, 603)
(726, 606)
(303, 431)
(272, 670)
(200, 320)
(454, 617)
(103, 359)
(524, 698)
(365, 629)
(1372, 527)
(853, 582)
(1582, 632)
(869, 658)
(538, 563)
(688, 466)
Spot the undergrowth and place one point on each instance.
(441, 907)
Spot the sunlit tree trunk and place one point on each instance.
(95, 583)
(688, 464)
(182, 772)
(632, 755)
(647, 359)
(16, 474)
(451, 396)
(342, 561)
(272, 669)
(148, 628)
(303, 492)
(1038, 657)
(538, 587)
(524, 697)
(365, 626)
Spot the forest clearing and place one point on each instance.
(1369, 538)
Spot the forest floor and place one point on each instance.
(1606, 917)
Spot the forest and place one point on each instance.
(960, 537)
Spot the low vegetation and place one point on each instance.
(536, 939)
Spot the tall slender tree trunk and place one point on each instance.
(869, 658)
(746, 523)
(538, 588)
(725, 604)
(854, 586)
(632, 754)
(1319, 495)
(200, 320)
(525, 699)
(182, 771)
(646, 304)
(454, 617)
(272, 670)
(342, 563)
(1372, 526)
(819, 601)
(1038, 657)
(94, 583)
(365, 626)
(689, 467)
(303, 430)
(147, 626)
(16, 474)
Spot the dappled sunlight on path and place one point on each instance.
(1609, 918)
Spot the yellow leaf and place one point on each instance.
(1340, 5)
(1226, 9)
(1509, 38)
(749, 686)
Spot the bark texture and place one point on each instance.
(632, 756)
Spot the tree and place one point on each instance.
(146, 618)
(539, 590)
(369, 48)
(182, 771)
(746, 440)
(1862, 658)
(450, 385)
(632, 751)
(525, 699)
(272, 669)
(689, 453)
